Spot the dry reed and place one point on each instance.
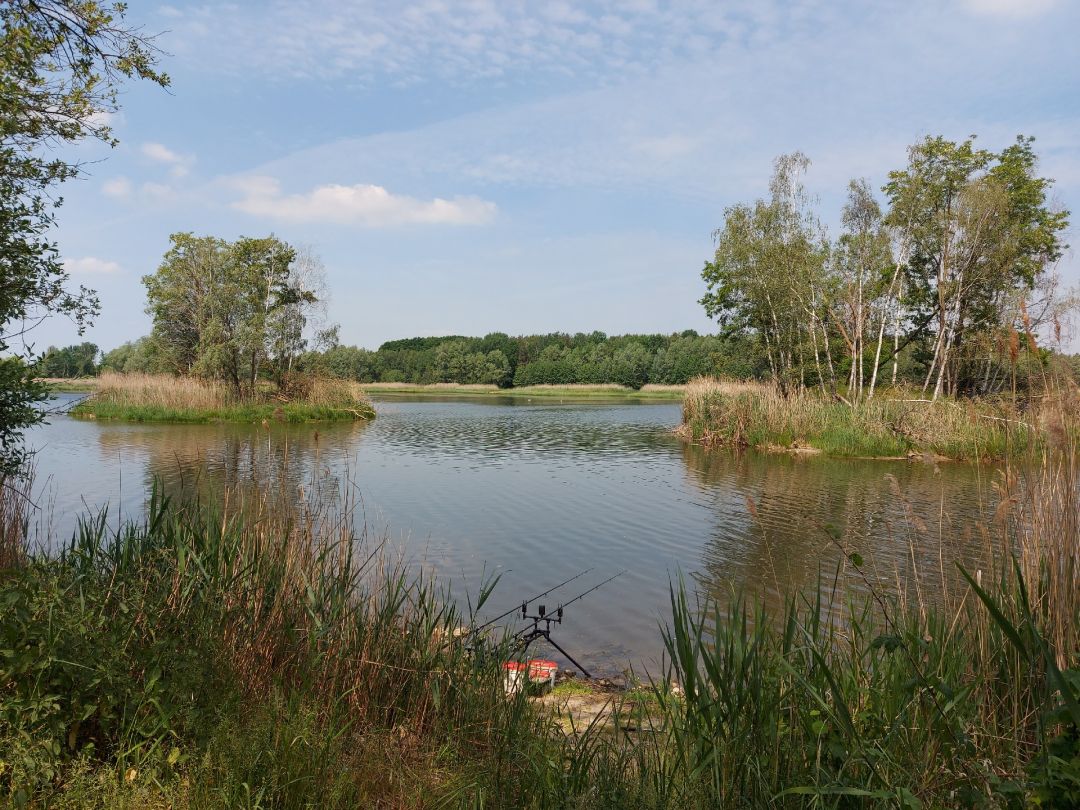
(893, 424)
(163, 391)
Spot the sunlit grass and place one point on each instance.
(896, 423)
(164, 398)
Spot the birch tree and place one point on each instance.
(767, 275)
(862, 261)
(980, 231)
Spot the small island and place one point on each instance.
(179, 400)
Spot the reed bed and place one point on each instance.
(893, 424)
(165, 398)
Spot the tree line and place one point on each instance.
(556, 359)
(505, 361)
(944, 283)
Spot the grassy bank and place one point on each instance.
(74, 385)
(259, 655)
(892, 425)
(161, 398)
(584, 392)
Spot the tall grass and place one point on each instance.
(969, 701)
(161, 397)
(893, 424)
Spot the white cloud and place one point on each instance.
(116, 187)
(667, 147)
(159, 153)
(89, 265)
(158, 191)
(422, 40)
(362, 204)
(1010, 8)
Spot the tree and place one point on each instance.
(141, 356)
(981, 231)
(767, 276)
(861, 264)
(231, 310)
(61, 65)
(70, 361)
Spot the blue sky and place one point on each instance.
(492, 165)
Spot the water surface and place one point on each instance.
(537, 491)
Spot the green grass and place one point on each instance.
(187, 400)
(895, 424)
(72, 385)
(290, 412)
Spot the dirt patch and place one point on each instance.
(580, 704)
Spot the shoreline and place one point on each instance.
(670, 393)
(174, 400)
(285, 413)
(897, 427)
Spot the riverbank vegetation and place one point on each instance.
(897, 423)
(947, 296)
(497, 359)
(164, 398)
(253, 652)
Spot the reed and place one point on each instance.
(164, 398)
(894, 424)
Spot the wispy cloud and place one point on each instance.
(363, 204)
(159, 153)
(90, 265)
(1010, 8)
(118, 187)
(414, 41)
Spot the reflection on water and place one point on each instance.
(782, 522)
(540, 491)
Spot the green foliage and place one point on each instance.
(229, 311)
(140, 356)
(61, 65)
(251, 413)
(70, 361)
(93, 667)
(941, 281)
(555, 359)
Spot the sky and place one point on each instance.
(528, 167)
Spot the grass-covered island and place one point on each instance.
(258, 654)
(164, 398)
(895, 424)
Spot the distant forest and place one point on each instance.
(495, 359)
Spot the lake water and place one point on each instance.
(539, 491)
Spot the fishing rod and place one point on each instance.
(579, 596)
(538, 596)
(526, 636)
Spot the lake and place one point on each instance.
(538, 491)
